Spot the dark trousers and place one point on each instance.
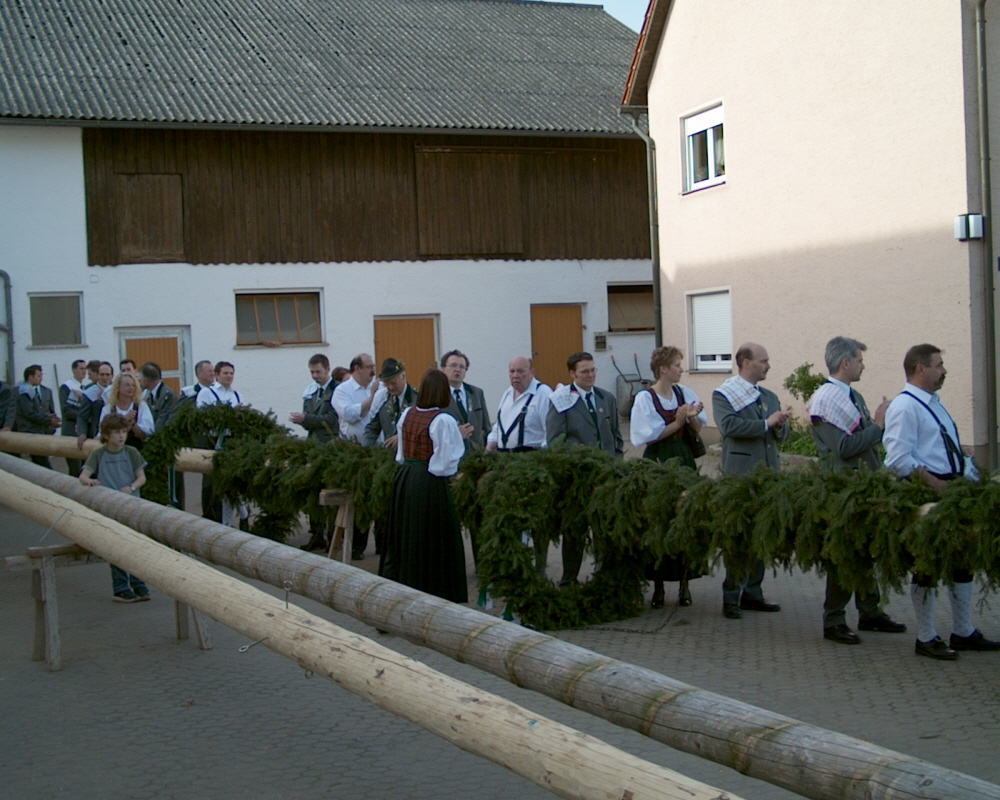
(42, 461)
(736, 586)
(837, 597)
(572, 559)
(211, 506)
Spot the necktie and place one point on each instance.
(590, 407)
(461, 406)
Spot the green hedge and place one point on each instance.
(864, 523)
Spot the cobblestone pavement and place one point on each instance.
(136, 713)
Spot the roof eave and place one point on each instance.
(637, 86)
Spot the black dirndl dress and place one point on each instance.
(423, 547)
(670, 569)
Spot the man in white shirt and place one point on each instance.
(520, 426)
(223, 393)
(222, 390)
(352, 400)
(523, 408)
(921, 441)
(204, 371)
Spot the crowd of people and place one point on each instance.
(433, 427)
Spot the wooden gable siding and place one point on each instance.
(279, 197)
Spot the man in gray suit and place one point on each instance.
(847, 437)
(468, 404)
(320, 420)
(160, 398)
(752, 423)
(582, 413)
(399, 396)
(36, 412)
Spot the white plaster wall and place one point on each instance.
(846, 164)
(483, 307)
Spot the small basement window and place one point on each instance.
(630, 307)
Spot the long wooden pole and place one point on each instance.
(188, 458)
(565, 761)
(785, 752)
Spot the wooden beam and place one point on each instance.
(565, 761)
(188, 458)
(803, 758)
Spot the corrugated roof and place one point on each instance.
(452, 64)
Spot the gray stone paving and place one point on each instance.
(136, 713)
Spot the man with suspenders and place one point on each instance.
(921, 442)
(521, 416)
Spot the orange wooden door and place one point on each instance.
(556, 333)
(411, 340)
(164, 351)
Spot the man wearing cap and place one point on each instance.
(468, 404)
(393, 397)
(390, 401)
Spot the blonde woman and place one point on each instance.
(659, 417)
(125, 400)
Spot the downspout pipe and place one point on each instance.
(986, 201)
(654, 225)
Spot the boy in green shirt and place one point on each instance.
(118, 466)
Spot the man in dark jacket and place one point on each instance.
(36, 412)
(847, 437)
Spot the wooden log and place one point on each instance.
(802, 758)
(188, 459)
(558, 758)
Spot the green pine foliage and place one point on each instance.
(866, 525)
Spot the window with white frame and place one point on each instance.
(711, 330)
(704, 150)
(56, 319)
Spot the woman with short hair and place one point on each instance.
(659, 418)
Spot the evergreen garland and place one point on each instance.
(864, 524)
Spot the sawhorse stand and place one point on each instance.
(43, 561)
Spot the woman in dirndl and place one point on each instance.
(659, 416)
(424, 540)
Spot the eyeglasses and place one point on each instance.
(456, 366)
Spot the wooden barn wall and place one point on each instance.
(265, 197)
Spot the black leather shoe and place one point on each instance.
(936, 648)
(749, 604)
(841, 634)
(657, 601)
(881, 624)
(974, 642)
(357, 555)
(684, 594)
(731, 611)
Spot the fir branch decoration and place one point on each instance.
(864, 524)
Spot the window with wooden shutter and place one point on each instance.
(150, 218)
(469, 203)
(276, 319)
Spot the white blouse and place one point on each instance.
(646, 425)
(143, 417)
(449, 446)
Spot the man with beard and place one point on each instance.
(921, 442)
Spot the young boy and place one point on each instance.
(118, 466)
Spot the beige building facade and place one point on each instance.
(811, 159)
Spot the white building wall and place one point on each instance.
(846, 164)
(483, 307)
